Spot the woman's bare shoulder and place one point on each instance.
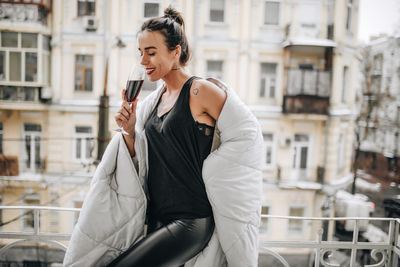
(209, 96)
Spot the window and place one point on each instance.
(19, 58)
(28, 217)
(15, 66)
(84, 144)
(269, 149)
(77, 205)
(1, 138)
(151, 9)
(29, 40)
(345, 83)
(215, 69)
(32, 144)
(349, 18)
(296, 226)
(264, 221)
(86, 8)
(271, 13)
(268, 80)
(300, 151)
(341, 152)
(217, 12)
(31, 67)
(9, 39)
(83, 73)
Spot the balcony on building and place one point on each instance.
(308, 75)
(25, 11)
(307, 91)
(24, 69)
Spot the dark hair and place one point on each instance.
(172, 27)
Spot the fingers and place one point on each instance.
(134, 104)
(123, 95)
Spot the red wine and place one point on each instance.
(133, 88)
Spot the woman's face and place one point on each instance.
(155, 56)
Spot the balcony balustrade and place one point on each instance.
(307, 91)
(384, 253)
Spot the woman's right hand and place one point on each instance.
(126, 116)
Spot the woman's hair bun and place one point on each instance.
(173, 14)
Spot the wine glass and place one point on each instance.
(133, 86)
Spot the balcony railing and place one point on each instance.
(20, 94)
(384, 253)
(307, 91)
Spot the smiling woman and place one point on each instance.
(197, 159)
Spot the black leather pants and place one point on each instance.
(172, 244)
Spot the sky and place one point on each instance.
(378, 16)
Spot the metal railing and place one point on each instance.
(385, 253)
(388, 250)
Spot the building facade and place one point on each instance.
(380, 143)
(292, 62)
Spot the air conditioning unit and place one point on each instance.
(46, 93)
(90, 23)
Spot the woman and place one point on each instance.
(189, 168)
(179, 132)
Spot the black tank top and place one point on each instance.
(177, 147)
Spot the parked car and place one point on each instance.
(392, 207)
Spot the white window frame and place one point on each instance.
(303, 226)
(341, 151)
(267, 81)
(272, 146)
(268, 222)
(296, 171)
(83, 137)
(24, 227)
(150, 2)
(215, 74)
(40, 53)
(263, 13)
(33, 135)
(209, 11)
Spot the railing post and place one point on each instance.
(354, 249)
(393, 240)
(318, 249)
(36, 222)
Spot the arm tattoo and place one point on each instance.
(195, 91)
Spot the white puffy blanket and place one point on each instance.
(114, 210)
